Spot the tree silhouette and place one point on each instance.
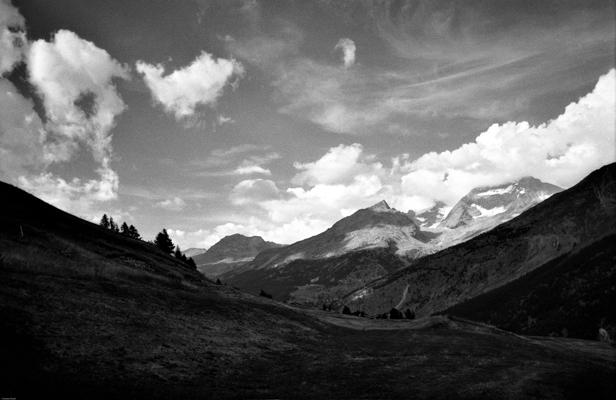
(133, 232)
(104, 221)
(124, 230)
(164, 242)
(112, 225)
(346, 310)
(178, 253)
(191, 263)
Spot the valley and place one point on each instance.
(89, 313)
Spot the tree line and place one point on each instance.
(162, 239)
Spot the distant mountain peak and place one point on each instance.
(380, 206)
(505, 200)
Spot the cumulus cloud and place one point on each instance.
(561, 151)
(348, 51)
(75, 82)
(183, 90)
(12, 36)
(79, 196)
(338, 165)
(172, 204)
(74, 79)
(253, 190)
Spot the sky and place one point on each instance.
(278, 118)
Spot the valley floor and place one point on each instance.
(91, 337)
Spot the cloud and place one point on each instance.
(200, 83)
(74, 81)
(253, 190)
(12, 36)
(224, 120)
(80, 197)
(348, 51)
(346, 177)
(251, 170)
(561, 151)
(251, 164)
(338, 165)
(172, 204)
(432, 65)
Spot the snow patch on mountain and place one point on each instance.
(489, 212)
(493, 192)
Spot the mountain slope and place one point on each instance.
(373, 227)
(506, 200)
(573, 294)
(433, 216)
(380, 227)
(570, 219)
(193, 251)
(86, 313)
(319, 281)
(231, 252)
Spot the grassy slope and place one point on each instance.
(336, 276)
(576, 292)
(86, 313)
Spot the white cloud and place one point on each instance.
(345, 178)
(199, 83)
(81, 197)
(252, 170)
(340, 164)
(224, 120)
(253, 190)
(561, 151)
(172, 204)
(348, 51)
(75, 81)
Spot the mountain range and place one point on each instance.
(89, 313)
(560, 228)
(318, 269)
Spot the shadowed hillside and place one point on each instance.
(573, 295)
(563, 224)
(86, 313)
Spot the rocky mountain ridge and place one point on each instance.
(569, 220)
(384, 230)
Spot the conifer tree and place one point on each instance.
(104, 221)
(124, 230)
(178, 253)
(133, 232)
(191, 263)
(164, 242)
(112, 225)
